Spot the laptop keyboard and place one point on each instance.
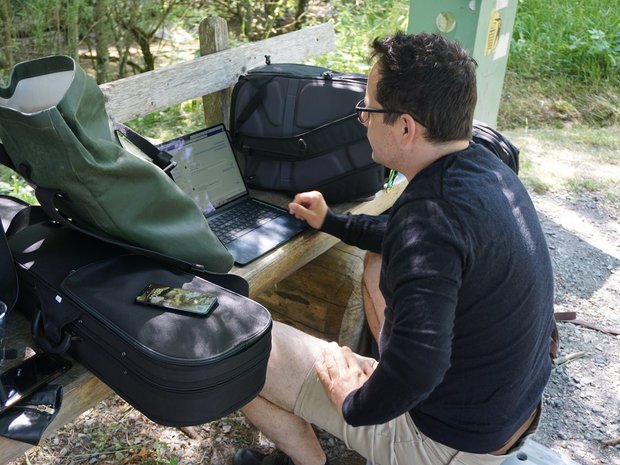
(243, 218)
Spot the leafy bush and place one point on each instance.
(356, 24)
(578, 40)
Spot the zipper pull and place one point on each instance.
(41, 408)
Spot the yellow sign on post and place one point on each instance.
(484, 27)
(495, 26)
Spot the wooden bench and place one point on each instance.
(142, 94)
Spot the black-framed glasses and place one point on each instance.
(363, 112)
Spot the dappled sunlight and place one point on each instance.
(603, 236)
(563, 157)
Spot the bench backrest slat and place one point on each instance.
(145, 93)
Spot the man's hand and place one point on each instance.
(341, 372)
(310, 207)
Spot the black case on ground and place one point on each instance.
(294, 128)
(177, 369)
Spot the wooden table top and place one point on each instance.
(276, 265)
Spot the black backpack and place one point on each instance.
(294, 129)
(497, 143)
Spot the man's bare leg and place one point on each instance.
(292, 356)
(374, 303)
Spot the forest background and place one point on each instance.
(563, 63)
(563, 67)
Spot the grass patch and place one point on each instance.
(535, 184)
(613, 196)
(578, 40)
(564, 65)
(609, 190)
(534, 102)
(530, 177)
(578, 185)
(599, 138)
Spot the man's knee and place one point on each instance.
(292, 357)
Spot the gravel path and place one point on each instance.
(582, 400)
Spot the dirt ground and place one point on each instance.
(574, 178)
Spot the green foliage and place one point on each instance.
(585, 185)
(608, 189)
(535, 184)
(579, 40)
(259, 19)
(12, 184)
(564, 65)
(530, 177)
(173, 121)
(356, 24)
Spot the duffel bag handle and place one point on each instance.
(41, 340)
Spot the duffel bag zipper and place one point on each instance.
(83, 333)
(322, 77)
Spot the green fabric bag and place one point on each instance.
(56, 131)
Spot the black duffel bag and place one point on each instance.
(295, 129)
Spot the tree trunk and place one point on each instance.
(145, 45)
(7, 37)
(103, 40)
(302, 6)
(73, 31)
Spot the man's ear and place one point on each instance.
(410, 128)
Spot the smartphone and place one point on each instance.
(175, 298)
(22, 380)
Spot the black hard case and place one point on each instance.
(177, 369)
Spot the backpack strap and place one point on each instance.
(8, 277)
(260, 86)
(338, 133)
(159, 157)
(497, 143)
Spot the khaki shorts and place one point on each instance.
(397, 442)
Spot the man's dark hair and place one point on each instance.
(429, 77)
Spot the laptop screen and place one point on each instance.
(206, 170)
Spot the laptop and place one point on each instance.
(208, 172)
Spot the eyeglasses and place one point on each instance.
(363, 112)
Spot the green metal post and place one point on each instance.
(484, 28)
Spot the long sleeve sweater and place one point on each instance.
(468, 285)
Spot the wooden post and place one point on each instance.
(213, 33)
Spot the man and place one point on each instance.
(466, 290)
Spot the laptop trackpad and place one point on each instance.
(260, 241)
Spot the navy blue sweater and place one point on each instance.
(468, 285)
